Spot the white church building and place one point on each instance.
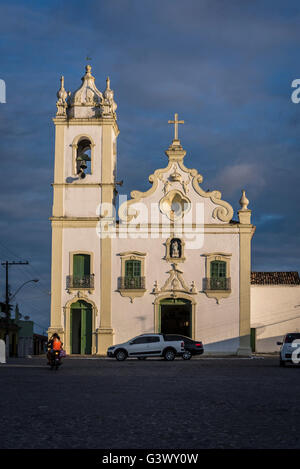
(171, 259)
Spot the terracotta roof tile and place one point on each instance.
(275, 278)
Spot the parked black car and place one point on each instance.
(191, 347)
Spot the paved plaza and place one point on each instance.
(101, 403)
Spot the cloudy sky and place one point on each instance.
(225, 66)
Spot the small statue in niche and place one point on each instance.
(175, 248)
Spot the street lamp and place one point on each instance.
(17, 291)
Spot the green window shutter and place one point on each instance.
(218, 269)
(81, 265)
(132, 268)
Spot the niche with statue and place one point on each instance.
(175, 250)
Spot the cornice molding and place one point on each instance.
(87, 121)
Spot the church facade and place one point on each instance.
(171, 259)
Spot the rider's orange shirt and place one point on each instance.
(56, 344)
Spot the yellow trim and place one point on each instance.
(244, 216)
(246, 234)
(88, 121)
(58, 192)
(75, 222)
(78, 184)
(56, 278)
(105, 332)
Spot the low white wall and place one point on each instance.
(275, 311)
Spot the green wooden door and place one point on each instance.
(86, 330)
(81, 265)
(81, 328)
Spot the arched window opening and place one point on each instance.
(83, 158)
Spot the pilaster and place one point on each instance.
(56, 278)
(244, 297)
(105, 332)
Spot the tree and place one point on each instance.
(3, 308)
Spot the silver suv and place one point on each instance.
(147, 345)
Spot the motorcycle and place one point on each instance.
(55, 359)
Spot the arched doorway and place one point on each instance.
(81, 328)
(176, 316)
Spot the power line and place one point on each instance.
(33, 270)
(7, 293)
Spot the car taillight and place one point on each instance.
(199, 344)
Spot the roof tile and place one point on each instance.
(275, 278)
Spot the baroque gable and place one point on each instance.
(175, 189)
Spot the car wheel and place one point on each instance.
(169, 355)
(121, 355)
(281, 363)
(187, 355)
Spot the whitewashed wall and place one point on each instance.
(275, 311)
(217, 325)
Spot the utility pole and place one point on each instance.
(7, 263)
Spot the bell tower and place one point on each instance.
(86, 133)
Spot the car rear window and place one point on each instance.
(170, 338)
(178, 337)
(289, 338)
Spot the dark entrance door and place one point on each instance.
(81, 328)
(176, 316)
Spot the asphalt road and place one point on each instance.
(100, 403)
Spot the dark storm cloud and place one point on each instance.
(225, 67)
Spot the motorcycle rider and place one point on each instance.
(53, 344)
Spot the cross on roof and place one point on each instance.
(175, 122)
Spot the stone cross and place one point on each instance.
(176, 122)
